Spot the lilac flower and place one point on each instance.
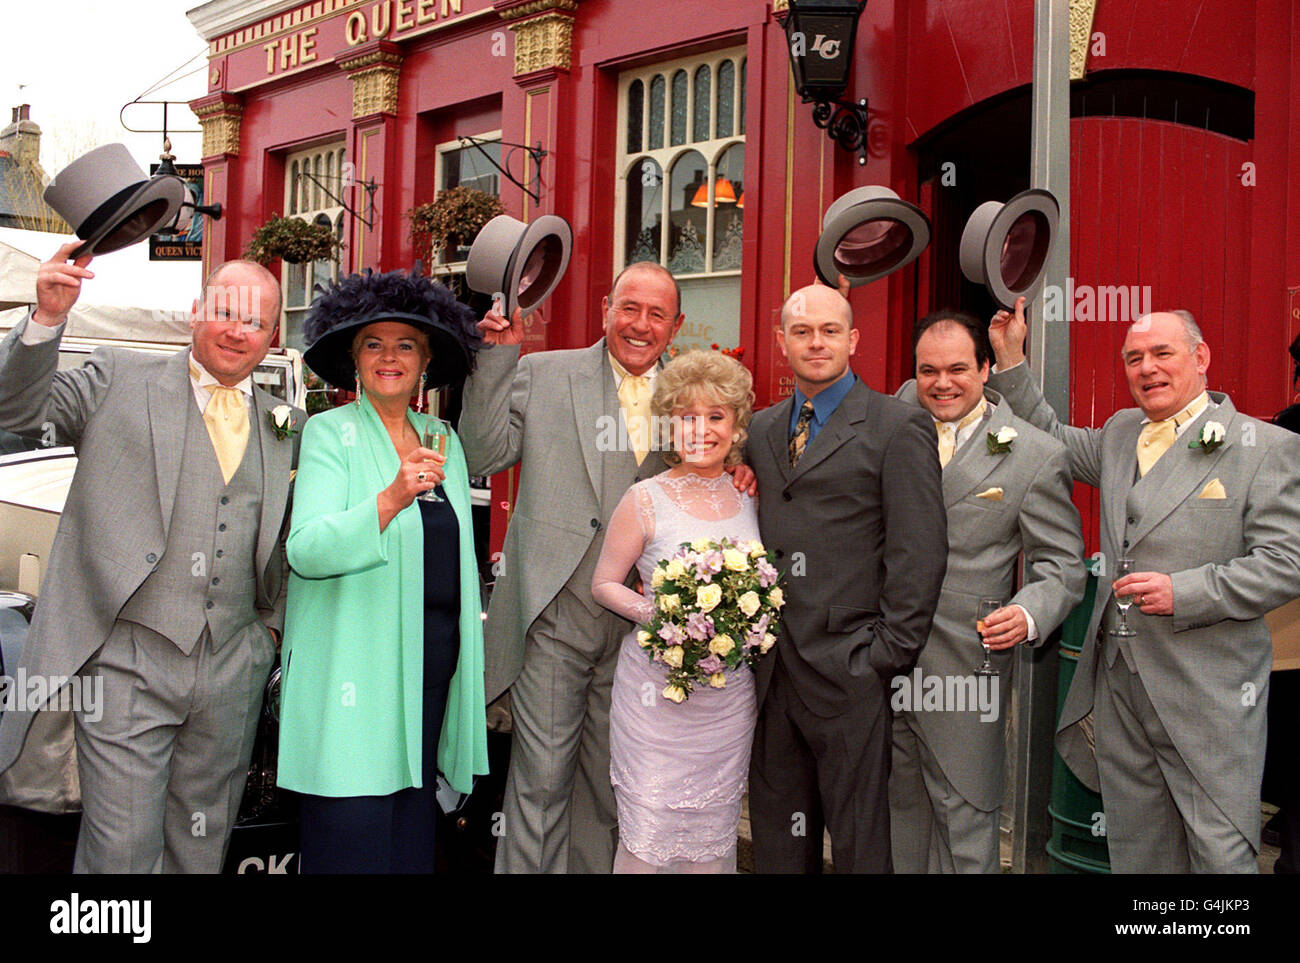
(766, 573)
(672, 633)
(699, 627)
(711, 664)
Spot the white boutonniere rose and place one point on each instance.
(1211, 436)
(999, 442)
(281, 417)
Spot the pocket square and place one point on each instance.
(992, 494)
(1213, 490)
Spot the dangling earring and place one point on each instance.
(357, 400)
(422, 406)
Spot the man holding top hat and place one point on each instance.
(165, 579)
(1204, 503)
(546, 639)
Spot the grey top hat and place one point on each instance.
(523, 262)
(1005, 246)
(868, 233)
(110, 202)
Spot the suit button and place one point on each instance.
(151, 558)
(225, 499)
(787, 496)
(1132, 520)
(1126, 543)
(221, 527)
(595, 523)
(780, 553)
(209, 605)
(215, 579)
(220, 553)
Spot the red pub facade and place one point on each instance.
(670, 130)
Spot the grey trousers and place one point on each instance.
(560, 815)
(932, 828)
(1158, 818)
(163, 769)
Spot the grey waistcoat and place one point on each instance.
(206, 575)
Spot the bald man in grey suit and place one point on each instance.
(1206, 502)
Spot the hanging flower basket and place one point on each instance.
(451, 221)
(293, 240)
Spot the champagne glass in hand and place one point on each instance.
(434, 437)
(986, 608)
(1123, 567)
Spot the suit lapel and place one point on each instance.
(973, 463)
(587, 384)
(277, 457)
(1182, 470)
(169, 397)
(837, 430)
(778, 436)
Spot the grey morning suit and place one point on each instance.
(1180, 711)
(163, 580)
(947, 780)
(546, 639)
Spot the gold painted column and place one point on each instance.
(375, 72)
(220, 115)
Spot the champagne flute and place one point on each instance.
(434, 437)
(1123, 567)
(986, 608)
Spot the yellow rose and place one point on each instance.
(700, 544)
(675, 693)
(735, 560)
(643, 638)
(673, 657)
(769, 640)
(756, 549)
(749, 603)
(721, 644)
(717, 680)
(675, 569)
(776, 597)
(657, 579)
(669, 603)
(708, 597)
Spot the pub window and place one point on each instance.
(681, 189)
(314, 189)
(461, 164)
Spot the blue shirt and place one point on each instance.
(824, 404)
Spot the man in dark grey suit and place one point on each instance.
(851, 502)
(165, 580)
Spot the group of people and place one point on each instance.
(181, 559)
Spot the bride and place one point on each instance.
(679, 769)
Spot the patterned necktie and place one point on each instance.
(799, 440)
(948, 433)
(227, 419)
(634, 399)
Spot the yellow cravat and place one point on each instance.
(1157, 437)
(227, 419)
(948, 434)
(634, 399)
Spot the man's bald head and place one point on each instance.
(813, 301)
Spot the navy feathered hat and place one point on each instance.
(355, 300)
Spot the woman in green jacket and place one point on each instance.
(383, 650)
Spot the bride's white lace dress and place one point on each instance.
(678, 769)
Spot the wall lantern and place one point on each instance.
(820, 35)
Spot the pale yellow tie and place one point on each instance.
(227, 419)
(948, 433)
(634, 399)
(1157, 437)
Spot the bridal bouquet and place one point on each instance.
(717, 605)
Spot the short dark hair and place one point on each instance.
(649, 266)
(978, 331)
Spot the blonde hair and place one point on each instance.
(709, 375)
